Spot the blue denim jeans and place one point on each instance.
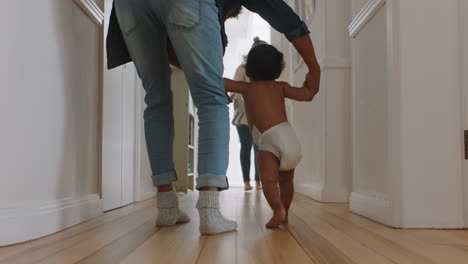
(245, 137)
(192, 26)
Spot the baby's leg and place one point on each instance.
(286, 184)
(268, 165)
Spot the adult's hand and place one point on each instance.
(306, 49)
(313, 82)
(229, 99)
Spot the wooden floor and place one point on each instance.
(317, 233)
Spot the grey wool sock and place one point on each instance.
(168, 210)
(211, 220)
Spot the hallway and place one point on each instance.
(317, 233)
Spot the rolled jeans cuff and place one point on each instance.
(210, 180)
(164, 178)
(300, 31)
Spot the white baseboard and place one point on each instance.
(20, 223)
(313, 191)
(324, 193)
(335, 194)
(372, 206)
(466, 217)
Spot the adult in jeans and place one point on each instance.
(140, 30)
(245, 136)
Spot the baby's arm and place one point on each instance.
(234, 86)
(306, 93)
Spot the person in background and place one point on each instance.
(242, 125)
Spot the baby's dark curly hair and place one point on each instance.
(264, 63)
(232, 10)
(236, 12)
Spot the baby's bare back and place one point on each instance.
(265, 104)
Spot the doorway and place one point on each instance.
(241, 32)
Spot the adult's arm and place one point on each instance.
(305, 48)
(282, 18)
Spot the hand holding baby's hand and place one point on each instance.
(229, 99)
(313, 82)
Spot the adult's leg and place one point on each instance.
(194, 31)
(257, 174)
(146, 40)
(268, 165)
(286, 184)
(246, 149)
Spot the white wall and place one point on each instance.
(407, 114)
(49, 118)
(370, 115)
(431, 129)
(309, 118)
(323, 126)
(357, 6)
(337, 73)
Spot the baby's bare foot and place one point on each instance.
(276, 219)
(286, 218)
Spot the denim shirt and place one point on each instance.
(276, 12)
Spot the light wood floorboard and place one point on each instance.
(317, 233)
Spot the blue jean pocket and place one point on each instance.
(126, 15)
(184, 14)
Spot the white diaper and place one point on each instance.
(281, 140)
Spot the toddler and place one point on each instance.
(279, 149)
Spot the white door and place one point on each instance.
(111, 129)
(128, 133)
(464, 37)
(144, 183)
(119, 126)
